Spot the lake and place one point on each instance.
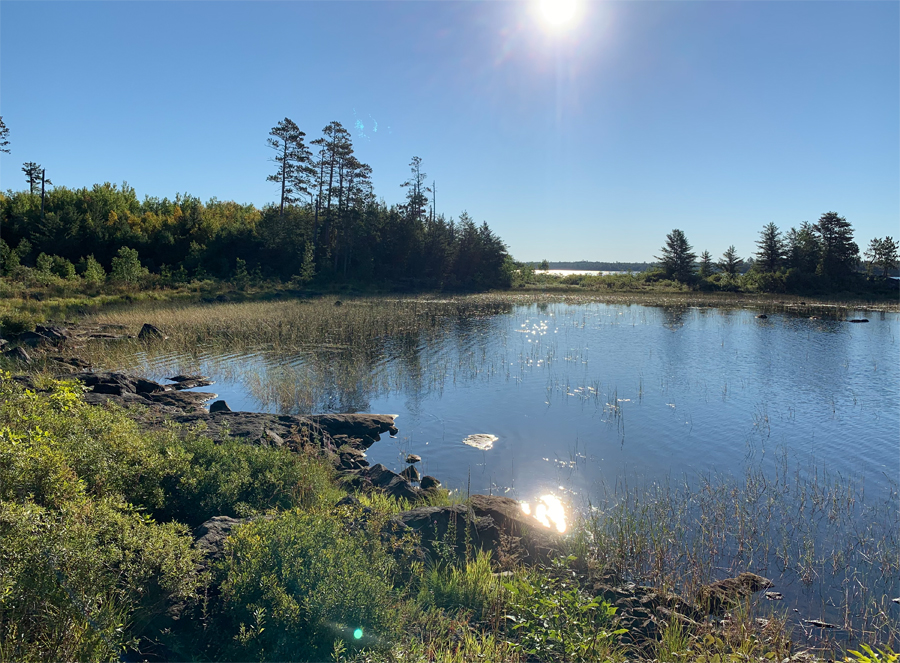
(587, 399)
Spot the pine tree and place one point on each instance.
(34, 175)
(803, 248)
(771, 254)
(706, 265)
(293, 158)
(677, 257)
(839, 253)
(730, 262)
(4, 136)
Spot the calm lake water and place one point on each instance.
(585, 398)
(584, 395)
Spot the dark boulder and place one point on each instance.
(218, 406)
(18, 354)
(210, 537)
(149, 332)
(55, 334)
(410, 473)
(380, 476)
(429, 483)
(401, 488)
(413, 458)
(859, 320)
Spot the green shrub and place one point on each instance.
(126, 266)
(93, 271)
(553, 621)
(238, 479)
(295, 584)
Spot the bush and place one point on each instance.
(83, 574)
(295, 584)
(126, 266)
(239, 479)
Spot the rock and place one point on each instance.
(410, 473)
(351, 459)
(338, 303)
(429, 483)
(3, 342)
(33, 339)
(218, 406)
(401, 488)
(818, 623)
(271, 437)
(144, 386)
(485, 522)
(55, 334)
(762, 316)
(380, 476)
(210, 536)
(774, 596)
(18, 354)
(859, 320)
(149, 331)
(717, 596)
(413, 458)
(897, 600)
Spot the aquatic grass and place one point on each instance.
(812, 532)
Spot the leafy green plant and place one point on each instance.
(295, 583)
(552, 620)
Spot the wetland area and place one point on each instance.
(769, 435)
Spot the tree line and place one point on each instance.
(326, 226)
(814, 256)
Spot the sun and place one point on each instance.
(558, 13)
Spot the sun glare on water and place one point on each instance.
(558, 13)
(549, 512)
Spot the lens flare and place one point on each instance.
(357, 633)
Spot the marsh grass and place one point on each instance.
(812, 532)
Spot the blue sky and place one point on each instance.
(590, 142)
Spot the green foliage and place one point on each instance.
(237, 479)
(126, 266)
(82, 573)
(467, 585)
(296, 583)
(869, 655)
(553, 621)
(93, 271)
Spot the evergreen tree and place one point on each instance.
(416, 200)
(4, 136)
(677, 259)
(706, 265)
(293, 158)
(839, 253)
(803, 248)
(34, 175)
(771, 253)
(882, 253)
(730, 262)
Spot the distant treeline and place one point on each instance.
(594, 266)
(327, 226)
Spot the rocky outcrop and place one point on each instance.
(125, 389)
(486, 522)
(18, 354)
(150, 332)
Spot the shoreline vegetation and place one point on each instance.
(102, 517)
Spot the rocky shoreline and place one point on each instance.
(490, 523)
